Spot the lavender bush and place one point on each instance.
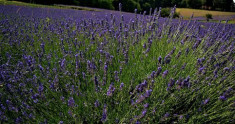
(70, 66)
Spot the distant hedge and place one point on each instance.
(144, 5)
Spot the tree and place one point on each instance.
(130, 5)
(166, 3)
(146, 7)
(183, 3)
(176, 2)
(107, 4)
(222, 4)
(196, 4)
(228, 5)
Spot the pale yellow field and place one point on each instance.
(197, 12)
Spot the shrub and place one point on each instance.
(208, 16)
(176, 15)
(165, 12)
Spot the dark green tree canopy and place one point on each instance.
(144, 5)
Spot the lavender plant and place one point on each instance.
(71, 66)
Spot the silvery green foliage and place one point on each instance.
(70, 66)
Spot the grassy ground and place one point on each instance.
(186, 12)
(223, 22)
(5, 2)
(217, 15)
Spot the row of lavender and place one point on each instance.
(69, 66)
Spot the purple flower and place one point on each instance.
(104, 115)
(178, 55)
(152, 81)
(153, 74)
(52, 86)
(167, 59)
(40, 67)
(35, 101)
(3, 107)
(181, 117)
(144, 84)
(62, 98)
(71, 102)
(140, 99)
(187, 79)
(206, 101)
(140, 87)
(105, 67)
(164, 74)
(116, 76)
(226, 69)
(30, 116)
(83, 75)
(167, 115)
(159, 69)
(40, 88)
(34, 97)
(146, 105)
(96, 81)
(160, 59)
(121, 85)
(70, 113)
(137, 122)
(201, 69)
(187, 51)
(120, 70)
(144, 45)
(97, 103)
(18, 120)
(199, 62)
(144, 112)
(111, 90)
(183, 67)
(171, 83)
(172, 51)
(62, 64)
(223, 98)
(148, 93)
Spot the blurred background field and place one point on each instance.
(199, 13)
(186, 13)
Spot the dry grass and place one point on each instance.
(198, 13)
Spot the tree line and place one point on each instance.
(141, 5)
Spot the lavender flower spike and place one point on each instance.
(164, 74)
(121, 85)
(71, 102)
(120, 7)
(110, 90)
(104, 115)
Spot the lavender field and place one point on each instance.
(73, 66)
